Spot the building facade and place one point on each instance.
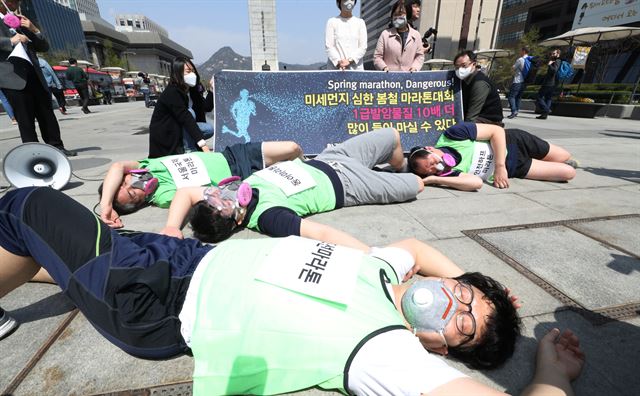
(60, 25)
(461, 24)
(264, 39)
(138, 23)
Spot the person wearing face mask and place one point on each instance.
(400, 47)
(549, 84)
(129, 186)
(285, 192)
(21, 78)
(174, 120)
(480, 99)
(369, 331)
(468, 154)
(345, 39)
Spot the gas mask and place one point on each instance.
(230, 195)
(10, 18)
(429, 305)
(445, 163)
(141, 179)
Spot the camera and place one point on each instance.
(429, 37)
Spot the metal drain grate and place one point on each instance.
(597, 316)
(177, 389)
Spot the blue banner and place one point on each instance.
(316, 109)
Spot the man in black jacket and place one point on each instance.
(549, 84)
(480, 99)
(21, 78)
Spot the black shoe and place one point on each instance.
(512, 116)
(7, 324)
(541, 117)
(68, 153)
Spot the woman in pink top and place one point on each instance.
(399, 48)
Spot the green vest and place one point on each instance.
(215, 163)
(477, 156)
(318, 199)
(251, 337)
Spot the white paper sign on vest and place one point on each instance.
(187, 171)
(483, 162)
(318, 269)
(290, 177)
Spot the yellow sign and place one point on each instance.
(580, 57)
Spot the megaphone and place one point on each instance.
(36, 164)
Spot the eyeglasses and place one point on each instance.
(465, 321)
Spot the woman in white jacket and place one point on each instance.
(345, 39)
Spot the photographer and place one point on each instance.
(413, 9)
(143, 82)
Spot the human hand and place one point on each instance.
(26, 23)
(205, 148)
(559, 354)
(411, 69)
(111, 218)
(500, 177)
(514, 299)
(343, 63)
(414, 270)
(19, 38)
(172, 232)
(386, 69)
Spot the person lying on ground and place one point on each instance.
(132, 185)
(274, 200)
(334, 317)
(468, 154)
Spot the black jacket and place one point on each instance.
(170, 117)
(201, 105)
(480, 99)
(11, 77)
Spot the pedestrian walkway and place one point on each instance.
(570, 251)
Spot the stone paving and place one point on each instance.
(570, 251)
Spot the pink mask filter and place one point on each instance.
(143, 180)
(243, 189)
(10, 19)
(447, 161)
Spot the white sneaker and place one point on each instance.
(7, 324)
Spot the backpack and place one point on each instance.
(530, 69)
(565, 72)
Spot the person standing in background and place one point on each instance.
(143, 82)
(345, 39)
(54, 84)
(399, 48)
(81, 82)
(105, 88)
(517, 85)
(21, 78)
(549, 84)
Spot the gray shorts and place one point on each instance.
(354, 159)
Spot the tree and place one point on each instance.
(502, 72)
(111, 58)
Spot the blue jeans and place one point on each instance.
(6, 105)
(147, 95)
(515, 93)
(545, 94)
(189, 143)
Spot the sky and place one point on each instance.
(204, 26)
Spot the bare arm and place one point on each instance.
(184, 199)
(559, 361)
(498, 140)
(462, 182)
(280, 151)
(110, 187)
(325, 233)
(429, 261)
